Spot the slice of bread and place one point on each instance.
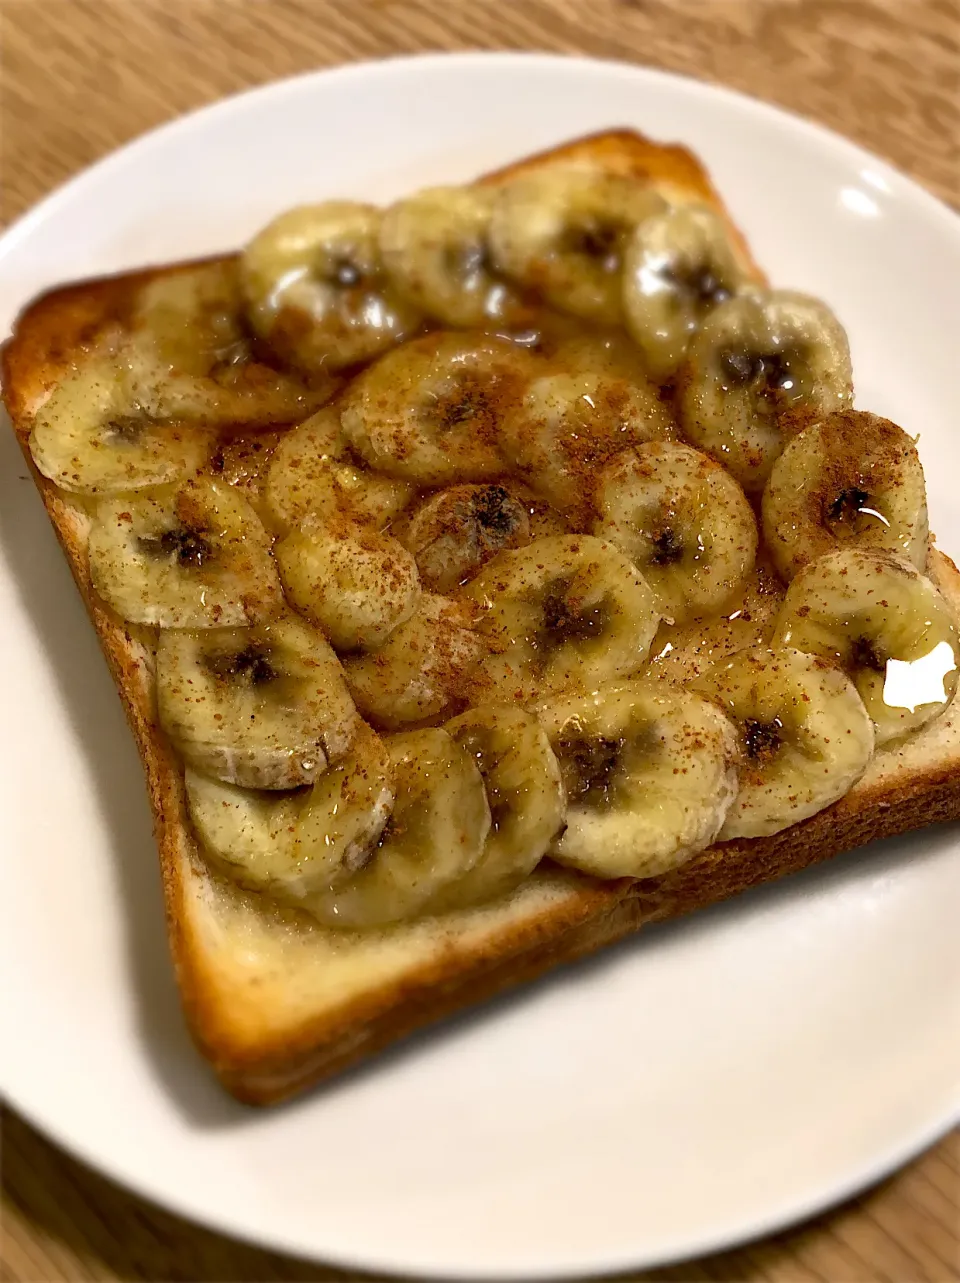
(274, 1001)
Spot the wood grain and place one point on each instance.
(79, 77)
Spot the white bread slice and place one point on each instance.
(277, 1003)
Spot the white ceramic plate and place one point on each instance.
(706, 1082)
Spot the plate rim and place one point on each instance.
(118, 1173)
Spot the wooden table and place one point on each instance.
(81, 76)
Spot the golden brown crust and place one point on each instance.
(261, 1063)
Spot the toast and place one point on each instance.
(275, 1001)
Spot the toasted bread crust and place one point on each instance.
(262, 1056)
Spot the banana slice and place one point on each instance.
(563, 233)
(566, 611)
(681, 652)
(264, 707)
(649, 775)
(95, 435)
(764, 365)
(854, 480)
(295, 846)
(684, 523)
(312, 471)
(197, 557)
(316, 289)
(525, 794)
(430, 412)
(192, 317)
(435, 248)
(804, 734)
(568, 425)
(678, 268)
(454, 532)
(423, 670)
(435, 835)
(190, 322)
(888, 627)
(358, 585)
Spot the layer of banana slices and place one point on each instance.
(514, 522)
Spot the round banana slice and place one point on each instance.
(430, 412)
(423, 670)
(684, 523)
(678, 268)
(888, 627)
(190, 322)
(854, 480)
(316, 290)
(357, 584)
(452, 533)
(525, 794)
(434, 246)
(264, 707)
(93, 434)
(295, 846)
(435, 835)
(565, 611)
(764, 365)
(568, 425)
(197, 557)
(312, 471)
(649, 776)
(804, 735)
(563, 233)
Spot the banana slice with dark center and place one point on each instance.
(679, 267)
(312, 471)
(355, 583)
(804, 734)
(765, 365)
(684, 523)
(295, 846)
(565, 611)
(316, 288)
(525, 793)
(264, 707)
(190, 321)
(887, 625)
(104, 430)
(454, 532)
(430, 412)
(197, 557)
(435, 835)
(435, 248)
(569, 425)
(563, 233)
(423, 670)
(649, 775)
(854, 480)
